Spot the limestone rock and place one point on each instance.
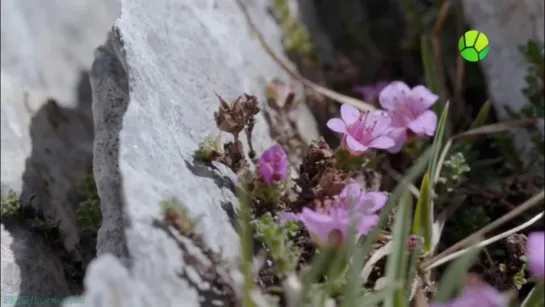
(30, 270)
(508, 25)
(46, 148)
(153, 85)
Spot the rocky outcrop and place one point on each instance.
(47, 135)
(31, 272)
(508, 25)
(153, 85)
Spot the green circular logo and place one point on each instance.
(473, 46)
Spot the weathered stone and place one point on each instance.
(46, 147)
(30, 269)
(508, 25)
(153, 88)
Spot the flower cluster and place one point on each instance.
(353, 207)
(273, 165)
(405, 116)
(271, 176)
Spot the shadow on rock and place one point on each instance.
(229, 209)
(61, 157)
(205, 171)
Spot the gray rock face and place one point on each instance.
(25, 255)
(508, 25)
(153, 88)
(46, 147)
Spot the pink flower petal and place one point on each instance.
(536, 254)
(318, 224)
(354, 145)
(393, 94)
(381, 122)
(336, 125)
(366, 223)
(266, 172)
(273, 165)
(382, 142)
(349, 114)
(371, 202)
(422, 98)
(477, 296)
(399, 135)
(424, 124)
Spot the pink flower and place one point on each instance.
(370, 93)
(409, 111)
(477, 294)
(362, 131)
(536, 254)
(273, 165)
(333, 221)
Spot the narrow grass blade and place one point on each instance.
(411, 281)
(374, 259)
(536, 297)
(453, 276)
(246, 248)
(375, 298)
(482, 116)
(499, 127)
(423, 217)
(424, 211)
(317, 267)
(430, 71)
(351, 291)
(532, 202)
(396, 265)
(479, 121)
(483, 130)
(487, 242)
(438, 141)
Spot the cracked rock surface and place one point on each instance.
(153, 85)
(47, 134)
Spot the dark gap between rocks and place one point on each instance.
(60, 160)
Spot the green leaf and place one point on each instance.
(354, 284)
(430, 71)
(479, 121)
(424, 212)
(453, 276)
(438, 142)
(246, 236)
(377, 297)
(536, 297)
(423, 217)
(414, 260)
(482, 117)
(318, 266)
(396, 265)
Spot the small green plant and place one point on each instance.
(453, 172)
(88, 211)
(208, 150)
(534, 108)
(520, 278)
(10, 205)
(296, 37)
(276, 237)
(177, 215)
